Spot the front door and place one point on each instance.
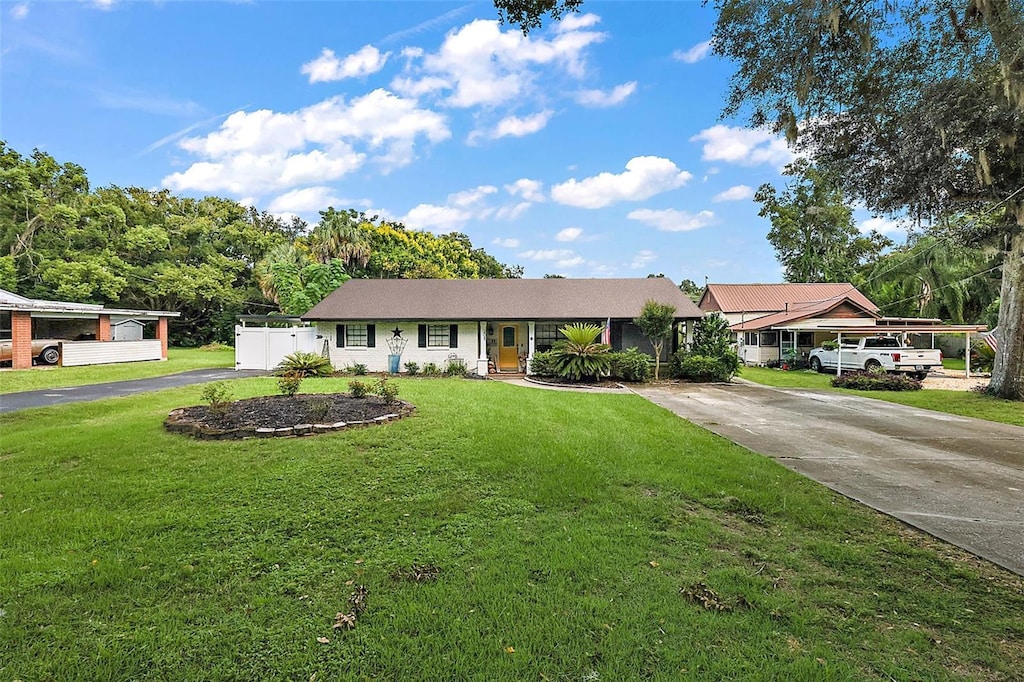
(508, 349)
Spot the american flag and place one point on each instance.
(992, 339)
(606, 335)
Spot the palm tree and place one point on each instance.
(339, 235)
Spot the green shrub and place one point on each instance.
(218, 396)
(578, 357)
(359, 369)
(289, 382)
(431, 370)
(631, 365)
(875, 381)
(543, 364)
(412, 368)
(305, 365)
(387, 390)
(317, 409)
(456, 367)
(702, 368)
(358, 389)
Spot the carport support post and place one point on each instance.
(161, 333)
(21, 340)
(967, 356)
(839, 354)
(103, 333)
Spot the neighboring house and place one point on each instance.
(780, 321)
(492, 324)
(80, 331)
(759, 314)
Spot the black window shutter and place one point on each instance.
(423, 336)
(453, 336)
(339, 336)
(371, 336)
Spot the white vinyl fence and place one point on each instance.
(265, 347)
(76, 353)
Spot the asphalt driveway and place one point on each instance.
(13, 402)
(960, 479)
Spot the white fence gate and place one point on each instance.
(265, 347)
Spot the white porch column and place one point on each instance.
(839, 355)
(530, 334)
(481, 362)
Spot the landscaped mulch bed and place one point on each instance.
(277, 415)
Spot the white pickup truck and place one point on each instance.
(877, 352)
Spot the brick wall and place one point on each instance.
(21, 336)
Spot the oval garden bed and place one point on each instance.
(278, 416)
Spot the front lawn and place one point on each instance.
(502, 533)
(178, 360)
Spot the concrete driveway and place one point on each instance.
(960, 479)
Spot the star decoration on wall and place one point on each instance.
(396, 333)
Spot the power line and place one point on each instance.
(959, 281)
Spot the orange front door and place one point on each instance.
(508, 348)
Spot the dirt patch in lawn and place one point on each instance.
(277, 415)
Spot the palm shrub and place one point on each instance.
(305, 365)
(631, 365)
(578, 357)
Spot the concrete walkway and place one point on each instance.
(12, 402)
(960, 479)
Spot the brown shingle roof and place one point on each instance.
(760, 298)
(498, 299)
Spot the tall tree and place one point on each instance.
(914, 106)
(339, 234)
(813, 231)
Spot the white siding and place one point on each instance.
(74, 353)
(265, 347)
(376, 359)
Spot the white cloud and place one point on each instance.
(642, 258)
(531, 190)
(735, 193)
(260, 150)
(882, 225)
(514, 126)
(103, 4)
(671, 220)
(743, 146)
(574, 22)
(509, 243)
(328, 67)
(458, 209)
(512, 212)
(569, 234)
(644, 177)
(569, 262)
(480, 64)
(19, 11)
(430, 216)
(248, 173)
(694, 54)
(305, 200)
(600, 98)
(560, 255)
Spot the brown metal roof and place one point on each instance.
(499, 299)
(800, 311)
(760, 298)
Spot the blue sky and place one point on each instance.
(592, 148)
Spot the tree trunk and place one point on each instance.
(1008, 372)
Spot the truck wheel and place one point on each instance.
(921, 376)
(816, 364)
(872, 366)
(49, 356)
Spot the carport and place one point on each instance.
(82, 329)
(892, 326)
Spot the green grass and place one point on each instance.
(954, 363)
(564, 525)
(178, 360)
(963, 403)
